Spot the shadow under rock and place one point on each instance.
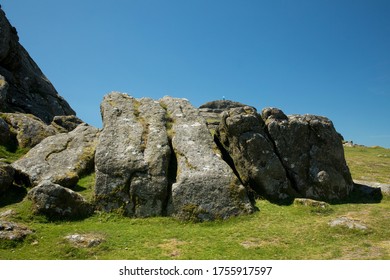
(364, 194)
(13, 195)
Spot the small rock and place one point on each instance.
(58, 202)
(311, 203)
(85, 240)
(347, 222)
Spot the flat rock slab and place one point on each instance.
(311, 203)
(347, 222)
(85, 240)
(13, 231)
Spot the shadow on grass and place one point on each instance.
(363, 194)
(14, 195)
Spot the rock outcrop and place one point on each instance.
(157, 158)
(57, 202)
(60, 158)
(242, 134)
(23, 86)
(132, 157)
(205, 187)
(312, 153)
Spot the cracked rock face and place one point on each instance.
(60, 158)
(312, 153)
(158, 158)
(132, 157)
(205, 188)
(242, 134)
(23, 86)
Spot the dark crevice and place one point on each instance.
(227, 158)
(286, 169)
(132, 197)
(252, 194)
(172, 175)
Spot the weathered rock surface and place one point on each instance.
(66, 123)
(132, 157)
(57, 202)
(6, 177)
(312, 153)
(12, 231)
(29, 130)
(242, 134)
(85, 240)
(23, 86)
(211, 111)
(205, 188)
(311, 203)
(137, 163)
(60, 158)
(348, 223)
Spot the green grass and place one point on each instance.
(10, 155)
(276, 232)
(369, 164)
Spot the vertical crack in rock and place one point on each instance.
(251, 186)
(206, 187)
(286, 169)
(241, 133)
(311, 150)
(172, 175)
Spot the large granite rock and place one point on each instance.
(57, 202)
(312, 152)
(205, 187)
(60, 158)
(132, 157)
(23, 86)
(242, 134)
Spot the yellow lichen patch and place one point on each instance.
(171, 247)
(254, 243)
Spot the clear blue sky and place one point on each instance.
(329, 57)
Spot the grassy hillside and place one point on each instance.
(276, 232)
